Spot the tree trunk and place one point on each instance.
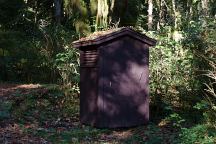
(161, 14)
(174, 14)
(102, 13)
(204, 11)
(58, 11)
(190, 10)
(150, 14)
(36, 11)
(205, 7)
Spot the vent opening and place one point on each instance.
(89, 58)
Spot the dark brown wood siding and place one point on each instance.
(88, 85)
(123, 83)
(114, 79)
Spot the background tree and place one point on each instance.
(150, 16)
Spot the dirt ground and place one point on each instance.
(14, 132)
(6, 90)
(10, 131)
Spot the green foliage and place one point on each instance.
(142, 17)
(175, 119)
(198, 134)
(201, 105)
(67, 64)
(18, 57)
(32, 58)
(204, 45)
(9, 11)
(208, 104)
(210, 112)
(173, 80)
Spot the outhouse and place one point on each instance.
(114, 78)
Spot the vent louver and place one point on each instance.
(89, 58)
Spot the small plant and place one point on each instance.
(67, 64)
(175, 119)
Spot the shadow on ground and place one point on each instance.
(36, 113)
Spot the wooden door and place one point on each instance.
(123, 79)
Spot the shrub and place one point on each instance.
(208, 55)
(200, 134)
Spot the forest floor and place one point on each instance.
(34, 113)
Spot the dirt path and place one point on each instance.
(6, 90)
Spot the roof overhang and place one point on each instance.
(125, 31)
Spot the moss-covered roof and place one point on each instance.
(103, 36)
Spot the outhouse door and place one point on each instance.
(123, 76)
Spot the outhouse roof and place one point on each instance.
(104, 36)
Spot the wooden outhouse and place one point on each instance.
(114, 78)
